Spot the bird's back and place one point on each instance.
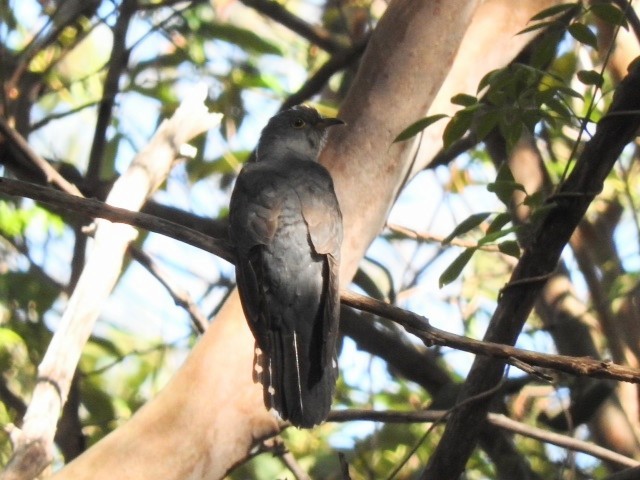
(288, 285)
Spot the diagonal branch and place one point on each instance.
(277, 12)
(117, 64)
(180, 297)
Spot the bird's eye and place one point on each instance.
(298, 123)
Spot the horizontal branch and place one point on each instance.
(415, 324)
(92, 208)
(496, 419)
(420, 327)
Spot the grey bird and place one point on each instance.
(286, 229)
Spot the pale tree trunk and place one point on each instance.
(207, 418)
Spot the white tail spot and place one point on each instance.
(295, 349)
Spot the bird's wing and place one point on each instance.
(321, 211)
(254, 209)
(253, 221)
(322, 215)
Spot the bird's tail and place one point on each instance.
(297, 383)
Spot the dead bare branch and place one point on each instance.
(149, 168)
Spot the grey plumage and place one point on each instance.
(286, 228)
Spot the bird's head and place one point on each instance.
(299, 131)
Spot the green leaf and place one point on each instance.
(97, 402)
(590, 77)
(500, 221)
(609, 13)
(455, 268)
(505, 184)
(510, 247)
(583, 34)
(555, 10)
(464, 100)
(492, 237)
(535, 199)
(559, 108)
(504, 190)
(511, 131)
(457, 127)
(504, 174)
(468, 224)
(546, 49)
(569, 91)
(536, 26)
(415, 128)
(489, 78)
(486, 123)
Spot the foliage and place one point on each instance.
(549, 99)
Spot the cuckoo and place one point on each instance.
(286, 229)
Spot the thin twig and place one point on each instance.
(51, 174)
(430, 238)
(179, 296)
(292, 464)
(499, 420)
(57, 116)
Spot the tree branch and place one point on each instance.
(277, 12)
(179, 296)
(316, 83)
(117, 64)
(495, 419)
(414, 323)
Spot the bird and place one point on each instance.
(285, 226)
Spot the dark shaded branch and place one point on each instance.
(92, 208)
(495, 419)
(117, 64)
(51, 175)
(69, 436)
(277, 12)
(568, 207)
(319, 79)
(11, 400)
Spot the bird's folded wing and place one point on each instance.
(321, 212)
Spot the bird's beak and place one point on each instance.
(329, 122)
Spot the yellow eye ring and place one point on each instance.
(298, 123)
